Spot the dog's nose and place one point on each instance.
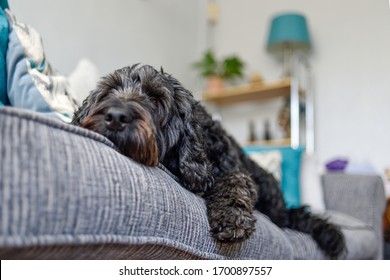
(116, 118)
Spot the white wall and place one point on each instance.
(117, 33)
(351, 63)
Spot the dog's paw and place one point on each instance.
(231, 225)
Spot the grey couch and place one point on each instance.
(66, 193)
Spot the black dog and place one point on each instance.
(153, 119)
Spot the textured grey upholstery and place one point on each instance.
(67, 193)
(359, 196)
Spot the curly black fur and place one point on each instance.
(153, 119)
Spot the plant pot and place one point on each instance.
(215, 83)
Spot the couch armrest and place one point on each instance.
(66, 193)
(360, 196)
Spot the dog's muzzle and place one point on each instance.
(116, 119)
(129, 126)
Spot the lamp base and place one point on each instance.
(287, 55)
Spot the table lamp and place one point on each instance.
(288, 33)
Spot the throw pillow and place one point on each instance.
(31, 81)
(312, 193)
(291, 164)
(4, 4)
(83, 79)
(3, 52)
(271, 161)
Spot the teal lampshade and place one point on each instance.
(288, 30)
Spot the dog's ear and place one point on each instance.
(194, 166)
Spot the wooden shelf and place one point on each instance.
(249, 92)
(272, 142)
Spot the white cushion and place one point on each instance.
(270, 161)
(311, 189)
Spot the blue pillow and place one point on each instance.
(31, 81)
(4, 4)
(291, 169)
(3, 52)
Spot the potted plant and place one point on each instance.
(217, 71)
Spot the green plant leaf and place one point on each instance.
(233, 67)
(229, 68)
(208, 65)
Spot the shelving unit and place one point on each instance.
(249, 92)
(300, 94)
(272, 142)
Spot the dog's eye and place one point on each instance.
(153, 101)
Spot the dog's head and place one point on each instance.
(149, 116)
